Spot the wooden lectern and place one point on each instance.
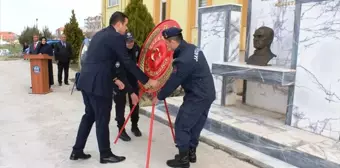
(39, 73)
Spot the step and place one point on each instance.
(262, 132)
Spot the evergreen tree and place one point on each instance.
(74, 35)
(46, 33)
(27, 34)
(140, 20)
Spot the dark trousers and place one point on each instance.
(97, 109)
(189, 123)
(50, 73)
(63, 66)
(120, 101)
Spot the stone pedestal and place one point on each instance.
(218, 38)
(278, 15)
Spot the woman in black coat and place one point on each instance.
(45, 48)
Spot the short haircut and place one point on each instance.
(43, 38)
(117, 17)
(35, 34)
(178, 38)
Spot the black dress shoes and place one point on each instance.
(124, 136)
(112, 159)
(79, 155)
(135, 130)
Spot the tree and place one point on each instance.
(140, 20)
(27, 34)
(46, 33)
(74, 35)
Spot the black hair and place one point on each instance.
(117, 17)
(43, 38)
(177, 38)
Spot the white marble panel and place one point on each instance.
(317, 90)
(234, 36)
(233, 54)
(213, 43)
(280, 17)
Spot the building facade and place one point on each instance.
(59, 31)
(8, 36)
(185, 12)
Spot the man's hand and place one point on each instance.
(155, 100)
(120, 84)
(152, 83)
(134, 99)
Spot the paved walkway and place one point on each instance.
(38, 131)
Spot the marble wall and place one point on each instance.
(278, 15)
(317, 91)
(218, 38)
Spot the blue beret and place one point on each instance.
(171, 32)
(129, 36)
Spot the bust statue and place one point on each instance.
(263, 38)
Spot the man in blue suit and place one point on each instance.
(96, 81)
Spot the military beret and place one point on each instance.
(129, 36)
(171, 32)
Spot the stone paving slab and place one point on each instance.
(38, 131)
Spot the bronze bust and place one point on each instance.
(263, 38)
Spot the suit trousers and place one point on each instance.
(63, 66)
(97, 109)
(120, 101)
(189, 123)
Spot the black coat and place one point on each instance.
(98, 65)
(47, 49)
(130, 81)
(63, 54)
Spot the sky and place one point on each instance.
(16, 14)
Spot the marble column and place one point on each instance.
(219, 39)
(316, 105)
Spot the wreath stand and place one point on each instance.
(152, 118)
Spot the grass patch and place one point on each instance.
(10, 58)
(75, 67)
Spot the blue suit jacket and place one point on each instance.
(98, 65)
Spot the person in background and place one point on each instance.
(34, 48)
(120, 98)
(45, 48)
(25, 47)
(63, 53)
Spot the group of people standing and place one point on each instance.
(62, 52)
(108, 67)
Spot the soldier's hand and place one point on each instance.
(155, 100)
(152, 83)
(134, 99)
(120, 84)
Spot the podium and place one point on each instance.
(39, 73)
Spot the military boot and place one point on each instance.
(124, 136)
(192, 155)
(182, 161)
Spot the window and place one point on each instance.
(163, 10)
(113, 3)
(199, 3)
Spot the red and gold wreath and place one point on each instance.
(155, 58)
